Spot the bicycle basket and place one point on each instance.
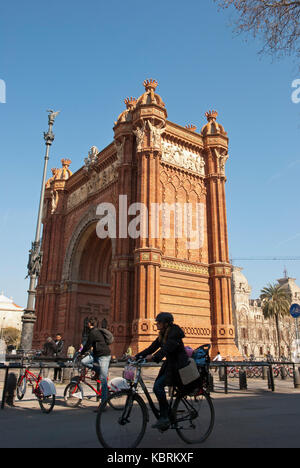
(129, 372)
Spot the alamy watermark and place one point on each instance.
(183, 221)
(2, 92)
(296, 93)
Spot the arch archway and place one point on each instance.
(90, 276)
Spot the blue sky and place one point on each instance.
(85, 58)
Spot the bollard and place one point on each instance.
(211, 383)
(11, 387)
(264, 373)
(271, 384)
(296, 377)
(283, 373)
(243, 379)
(222, 371)
(67, 374)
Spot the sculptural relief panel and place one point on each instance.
(97, 181)
(182, 157)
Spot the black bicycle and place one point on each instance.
(123, 426)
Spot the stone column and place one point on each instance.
(220, 269)
(147, 254)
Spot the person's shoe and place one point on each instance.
(162, 424)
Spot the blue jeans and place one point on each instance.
(159, 390)
(100, 365)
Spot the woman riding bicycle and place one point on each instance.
(168, 345)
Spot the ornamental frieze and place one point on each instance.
(183, 158)
(185, 267)
(96, 182)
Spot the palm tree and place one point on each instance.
(276, 301)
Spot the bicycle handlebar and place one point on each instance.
(137, 362)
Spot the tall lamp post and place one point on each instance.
(35, 254)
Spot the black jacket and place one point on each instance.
(174, 352)
(97, 342)
(59, 347)
(49, 349)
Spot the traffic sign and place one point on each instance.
(295, 310)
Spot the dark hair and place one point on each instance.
(93, 321)
(165, 317)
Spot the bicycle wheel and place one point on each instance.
(124, 428)
(73, 395)
(21, 386)
(194, 418)
(46, 402)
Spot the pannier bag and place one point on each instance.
(108, 336)
(118, 384)
(47, 387)
(190, 373)
(201, 355)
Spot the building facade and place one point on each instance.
(256, 335)
(10, 314)
(160, 189)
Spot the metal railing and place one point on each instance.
(14, 362)
(267, 372)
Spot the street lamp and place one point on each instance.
(35, 254)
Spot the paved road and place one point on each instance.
(255, 418)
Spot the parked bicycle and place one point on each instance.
(74, 391)
(43, 389)
(285, 370)
(191, 416)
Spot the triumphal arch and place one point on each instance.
(140, 229)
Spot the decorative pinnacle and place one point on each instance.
(150, 84)
(211, 115)
(66, 162)
(192, 128)
(130, 102)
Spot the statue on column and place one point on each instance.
(140, 134)
(156, 133)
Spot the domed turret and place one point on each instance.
(126, 115)
(239, 281)
(150, 97)
(212, 127)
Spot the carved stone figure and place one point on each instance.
(91, 160)
(140, 134)
(120, 152)
(156, 133)
(221, 158)
(54, 200)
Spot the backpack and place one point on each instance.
(201, 356)
(108, 336)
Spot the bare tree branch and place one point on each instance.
(277, 21)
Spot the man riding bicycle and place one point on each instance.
(168, 345)
(99, 358)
